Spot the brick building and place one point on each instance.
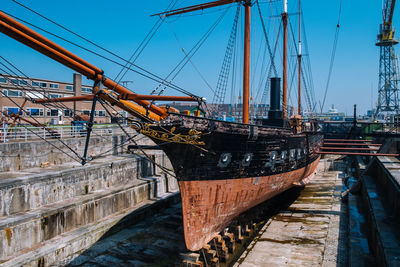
(18, 89)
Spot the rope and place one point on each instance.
(220, 91)
(148, 74)
(194, 49)
(332, 55)
(271, 55)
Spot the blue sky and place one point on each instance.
(121, 25)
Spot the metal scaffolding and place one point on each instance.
(388, 98)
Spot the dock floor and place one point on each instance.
(311, 232)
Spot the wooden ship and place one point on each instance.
(223, 168)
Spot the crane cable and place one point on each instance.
(332, 55)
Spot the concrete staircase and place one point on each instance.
(50, 216)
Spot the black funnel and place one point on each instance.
(275, 111)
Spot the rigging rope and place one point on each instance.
(308, 97)
(271, 55)
(144, 43)
(332, 55)
(189, 59)
(185, 59)
(146, 74)
(220, 91)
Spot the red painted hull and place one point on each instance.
(208, 206)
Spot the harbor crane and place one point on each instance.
(388, 98)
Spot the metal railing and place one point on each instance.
(27, 133)
(363, 128)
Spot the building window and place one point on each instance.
(13, 93)
(102, 113)
(35, 112)
(11, 110)
(54, 86)
(54, 96)
(67, 113)
(52, 112)
(34, 95)
(19, 82)
(14, 82)
(3, 80)
(86, 112)
(86, 89)
(23, 82)
(69, 87)
(39, 84)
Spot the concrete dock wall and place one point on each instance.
(23, 155)
(37, 190)
(39, 206)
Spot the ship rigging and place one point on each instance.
(223, 168)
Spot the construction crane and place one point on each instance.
(388, 98)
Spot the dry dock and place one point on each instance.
(306, 233)
(124, 211)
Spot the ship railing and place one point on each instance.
(21, 133)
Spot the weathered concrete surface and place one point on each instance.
(378, 194)
(45, 205)
(110, 235)
(34, 188)
(307, 233)
(22, 155)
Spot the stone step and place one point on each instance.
(359, 252)
(64, 248)
(383, 227)
(34, 188)
(26, 230)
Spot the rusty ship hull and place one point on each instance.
(225, 168)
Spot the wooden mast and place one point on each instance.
(284, 78)
(246, 61)
(299, 59)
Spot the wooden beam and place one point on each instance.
(195, 8)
